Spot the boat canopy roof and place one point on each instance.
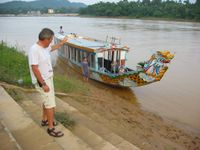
(91, 45)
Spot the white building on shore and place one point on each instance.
(51, 11)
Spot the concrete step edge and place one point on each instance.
(96, 142)
(29, 134)
(120, 144)
(69, 141)
(10, 136)
(22, 127)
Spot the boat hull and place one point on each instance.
(131, 79)
(147, 72)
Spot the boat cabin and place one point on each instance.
(103, 56)
(107, 61)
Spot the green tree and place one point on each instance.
(197, 10)
(146, 8)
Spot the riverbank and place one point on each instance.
(14, 66)
(40, 15)
(120, 112)
(141, 18)
(91, 16)
(14, 69)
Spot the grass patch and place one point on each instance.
(64, 119)
(64, 84)
(13, 65)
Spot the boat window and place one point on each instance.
(65, 50)
(69, 52)
(110, 57)
(84, 54)
(75, 54)
(100, 65)
(79, 56)
(72, 52)
(117, 55)
(123, 58)
(105, 55)
(107, 64)
(123, 53)
(92, 60)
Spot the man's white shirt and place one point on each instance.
(40, 56)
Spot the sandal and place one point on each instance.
(45, 123)
(54, 133)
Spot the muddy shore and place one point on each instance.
(117, 109)
(122, 114)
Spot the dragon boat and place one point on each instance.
(107, 61)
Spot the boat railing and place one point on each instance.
(127, 72)
(113, 40)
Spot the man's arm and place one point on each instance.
(39, 78)
(56, 46)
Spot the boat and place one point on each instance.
(107, 61)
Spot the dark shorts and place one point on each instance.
(86, 74)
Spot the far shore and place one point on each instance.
(91, 16)
(40, 15)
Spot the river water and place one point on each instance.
(176, 97)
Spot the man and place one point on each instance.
(61, 30)
(42, 76)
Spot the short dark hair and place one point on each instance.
(46, 33)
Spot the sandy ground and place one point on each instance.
(122, 114)
(119, 111)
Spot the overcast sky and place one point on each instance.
(88, 2)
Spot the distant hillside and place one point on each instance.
(16, 7)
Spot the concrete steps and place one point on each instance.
(23, 124)
(88, 136)
(86, 129)
(92, 126)
(7, 141)
(19, 131)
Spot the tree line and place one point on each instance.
(145, 9)
(43, 10)
(23, 7)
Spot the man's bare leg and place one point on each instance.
(50, 116)
(44, 114)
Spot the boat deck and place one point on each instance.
(88, 43)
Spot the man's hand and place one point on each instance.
(45, 88)
(64, 40)
(58, 45)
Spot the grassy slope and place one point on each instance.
(14, 66)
